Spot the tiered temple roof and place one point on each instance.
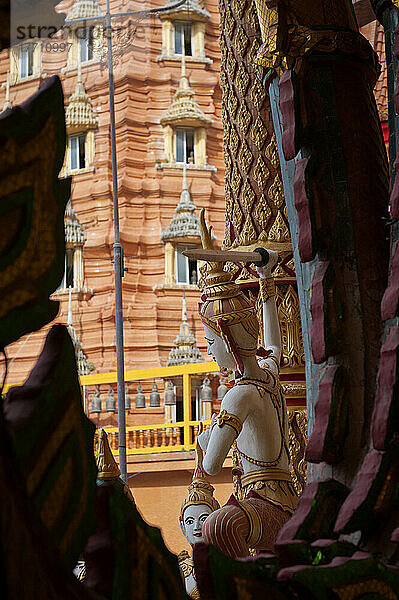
(185, 222)
(184, 109)
(85, 8)
(190, 6)
(186, 351)
(73, 230)
(80, 113)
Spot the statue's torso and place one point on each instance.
(263, 437)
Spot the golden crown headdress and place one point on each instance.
(224, 303)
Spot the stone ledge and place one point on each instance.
(190, 167)
(177, 58)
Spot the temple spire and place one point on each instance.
(185, 350)
(185, 186)
(184, 309)
(106, 464)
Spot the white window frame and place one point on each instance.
(182, 34)
(69, 252)
(186, 260)
(72, 147)
(85, 44)
(184, 130)
(26, 55)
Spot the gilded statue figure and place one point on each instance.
(291, 28)
(195, 509)
(253, 413)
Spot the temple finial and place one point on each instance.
(106, 465)
(80, 71)
(185, 186)
(70, 322)
(184, 309)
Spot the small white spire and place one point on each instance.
(70, 323)
(185, 186)
(79, 71)
(184, 309)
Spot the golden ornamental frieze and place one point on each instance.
(245, 157)
(279, 231)
(259, 134)
(271, 152)
(248, 198)
(244, 119)
(290, 322)
(241, 40)
(262, 214)
(297, 440)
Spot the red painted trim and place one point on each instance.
(364, 482)
(394, 200)
(288, 532)
(390, 300)
(300, 402)
(301, 201)
(287, 110)
(385, 131)
(318, 339)
(314, 452)
(386, 383)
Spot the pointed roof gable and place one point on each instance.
(184, 110)
(85, 8)
(185, 222)
(80, 113)
(189, 8)
(186, 351)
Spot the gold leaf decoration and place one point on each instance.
(261, 172)
(272, 152)
(259, 133)
(241, 40)
(242, 79)
(276, 191)
(244, 118)
(291, 332)
(245, 157)
(279, 230)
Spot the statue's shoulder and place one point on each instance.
(238, 393)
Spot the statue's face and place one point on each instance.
(194, 517)
(217, 348)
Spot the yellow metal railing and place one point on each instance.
(162, 437)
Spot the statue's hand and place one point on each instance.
(266, 271)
